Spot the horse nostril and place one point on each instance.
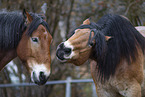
(67, 51)
(34, 76)
(42, 76)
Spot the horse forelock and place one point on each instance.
(124, 45)
(37, 20)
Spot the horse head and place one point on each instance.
(77, 49)
(34, 48)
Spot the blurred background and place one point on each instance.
(63, 16)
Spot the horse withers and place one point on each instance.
(27, 36)
(117, 50)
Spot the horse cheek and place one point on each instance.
(22, 49)
(83, 57)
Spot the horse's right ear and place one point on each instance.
(27, 17)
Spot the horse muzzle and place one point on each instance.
(39, 79)
(63, 52)
(39, 73)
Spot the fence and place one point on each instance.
(68, 83)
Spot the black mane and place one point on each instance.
(12, 26)
(123, 44)
(37, 20)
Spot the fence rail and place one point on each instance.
(68, 83)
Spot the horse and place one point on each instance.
(26, 35)
(116, 50)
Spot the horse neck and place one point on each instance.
(6, 57)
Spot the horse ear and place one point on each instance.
(108, 38)
(86, 22)
(28, 18)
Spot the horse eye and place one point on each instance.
(34, 39)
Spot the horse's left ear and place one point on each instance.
(28, 18)
(107, 38)
(86, 22)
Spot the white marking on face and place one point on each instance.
(37, 68)
(67, 44)
(45, 33)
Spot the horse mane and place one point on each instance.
(124, 44)
(11, 29)
(12, 26)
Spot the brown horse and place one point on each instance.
(27, 36)
(117, 50)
